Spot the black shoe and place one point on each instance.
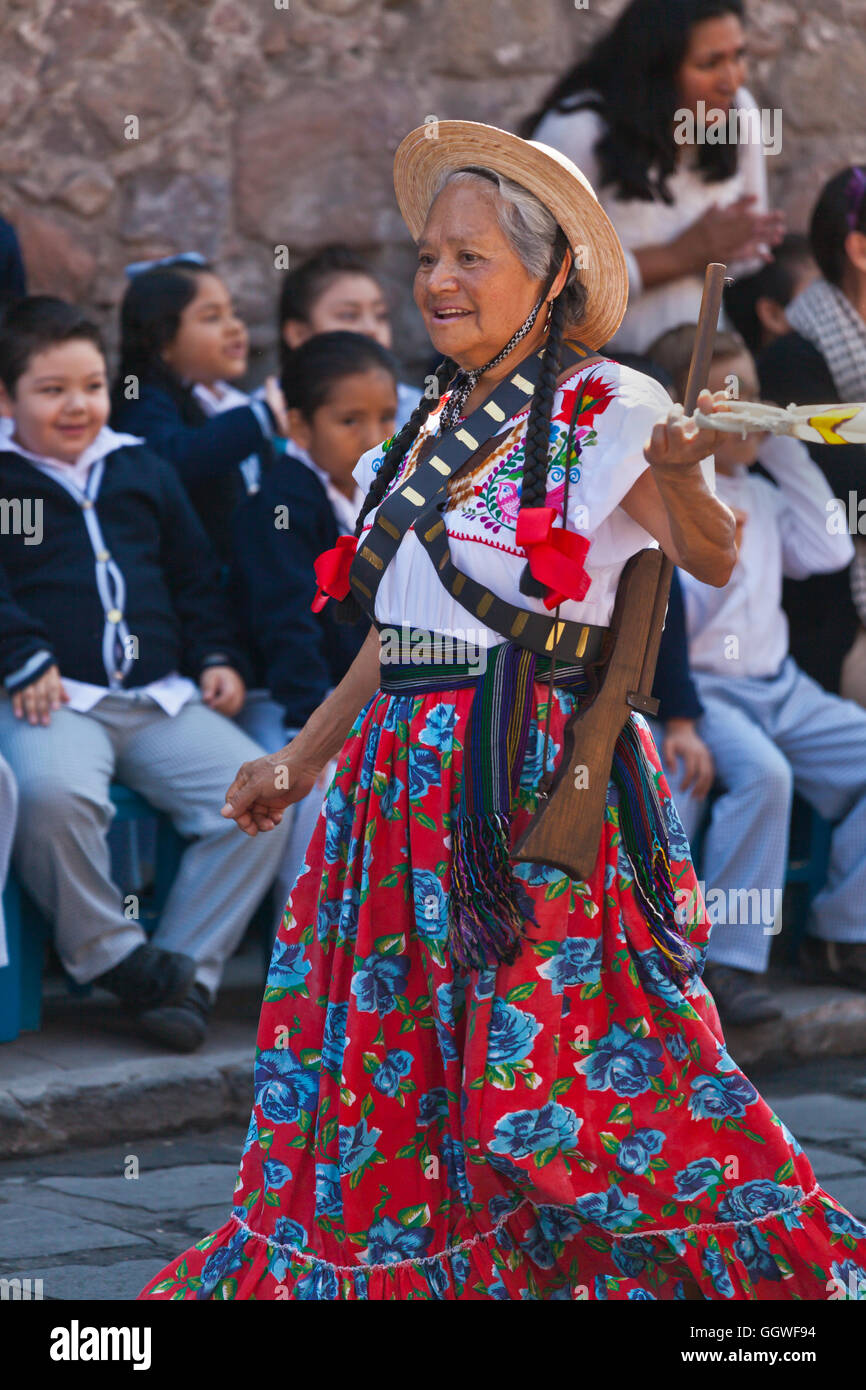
(739, 996)
(149, 976)
(834, 962)
(181, 1026)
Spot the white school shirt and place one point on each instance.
(742, 629)
(653, 311)
(481, 530)
(345, 508)
(171, 692)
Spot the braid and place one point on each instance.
(348, 610)
(534, 486)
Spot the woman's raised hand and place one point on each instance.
(737, 232)
(264, 788)
(677, 444)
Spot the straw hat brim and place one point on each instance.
(429, 151)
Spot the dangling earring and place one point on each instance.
(549, 315)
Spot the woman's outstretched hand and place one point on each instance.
(677, 443)
(264, 788)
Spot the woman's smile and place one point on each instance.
(445, 314)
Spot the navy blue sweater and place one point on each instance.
(48, 595)
(673, 686)
(300, 655)
(206, 451)
(13, 280)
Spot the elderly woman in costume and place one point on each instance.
(478, 1078)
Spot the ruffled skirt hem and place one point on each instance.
(547, 1253)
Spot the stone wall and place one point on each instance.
(262, 123)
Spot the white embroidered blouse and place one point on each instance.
(615, 420)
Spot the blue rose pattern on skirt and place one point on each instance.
(570, 1126)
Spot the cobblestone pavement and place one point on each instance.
(78, 1223)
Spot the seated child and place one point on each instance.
(335, 290)
(181, 346)
(102, 625)
(770, 727)
(340, 391)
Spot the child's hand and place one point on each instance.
(277, 402)
(222, 689)
(36, 701)
(681, 740)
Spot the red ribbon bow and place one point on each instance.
(555, 555)
(332, 571)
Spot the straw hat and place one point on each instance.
(430, 151)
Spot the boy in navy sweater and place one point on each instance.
(110, 610)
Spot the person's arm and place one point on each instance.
(810, 544)
(26, 651)
(733, 234)
(192, 574)
(274, 578)
(673, 686)
(201, 451)
(263, 789)
(672, 502)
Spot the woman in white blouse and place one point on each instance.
(638, 115)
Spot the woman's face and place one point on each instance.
(352, 303)
(473, 290)
(714, 66)
(211, 343)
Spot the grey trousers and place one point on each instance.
(769, 737)
(181, 765)
(8, 816)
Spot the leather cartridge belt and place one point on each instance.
(415, 502)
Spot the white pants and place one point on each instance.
(769, 737)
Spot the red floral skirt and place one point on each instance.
(570, 1126)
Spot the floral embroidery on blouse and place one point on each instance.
(484, 502)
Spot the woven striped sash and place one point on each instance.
(489, 910)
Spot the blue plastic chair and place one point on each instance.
(28, 932)
(808, 860)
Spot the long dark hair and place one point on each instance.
(313, 369)
(840, 209)
(150, 317)
(629, 77)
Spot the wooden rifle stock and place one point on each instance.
(566, 829)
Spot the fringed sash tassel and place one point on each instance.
(490, 912)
